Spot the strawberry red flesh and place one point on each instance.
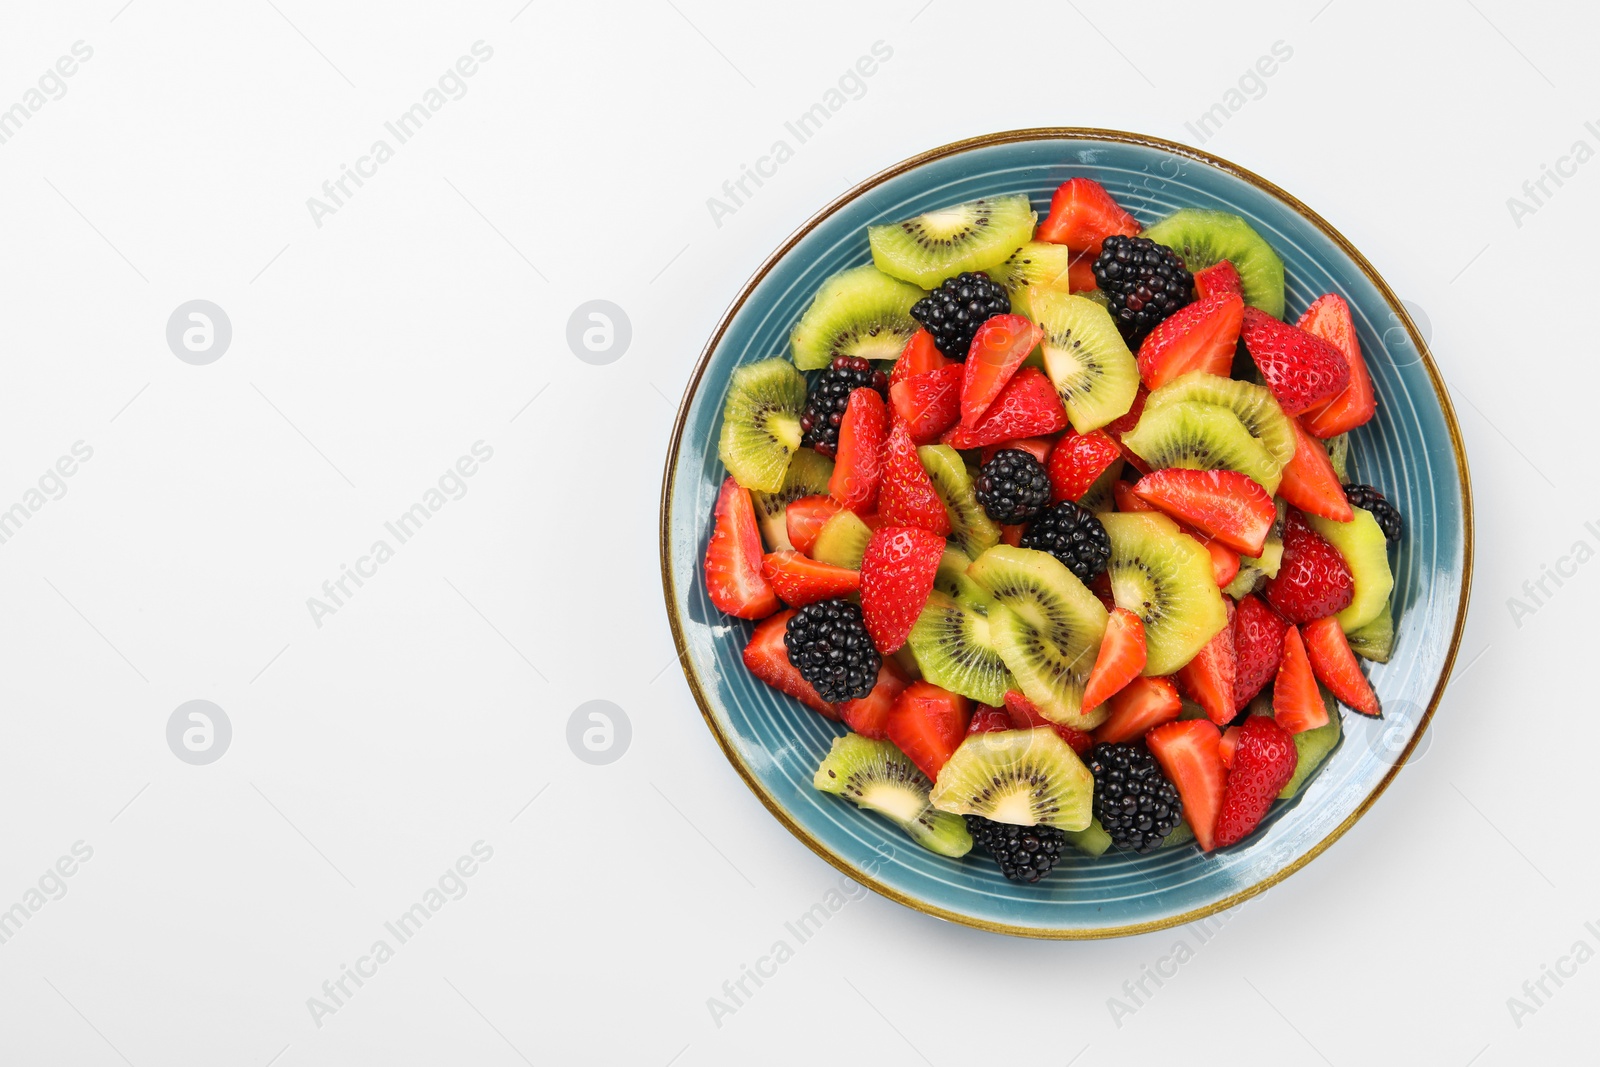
(928, 403)
(1225, 505)
(1264, 759)
(805, 518)
(799, 580)
(768, 659)
(1082, 215)
(1301, 369)
(1077, 460)
(1309, 481)
(927, 724)
(919, 355)
(1119, 661)
(1199, 337)
(1188, 753)
(1296, 701)
(1208, 678)
(733, 558)
(1141, 706)
(1027, 407)
(858, 462)
(1220, 277)
(1313, 580)
(1328, 317)
(906, 496)
(1336, 667)
(897, 574)
(998, 349)
(869, 715)
(1025, 715)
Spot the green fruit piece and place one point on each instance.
(1035, 263)
(761, 423)
(934, 246)
(971, 529)
(1360, 541)
(1052, 677)
(1312, 747)
(1339, 456)
(1202, 437)
(858, 312)
(1252, 569)
(951, 580)
(877, 776)
(1099, 496)
(1244, 583)
(1256, 407)
(842, 541)
(1375, 640)
(1202, 238)
(1087, 360)
(807, 475)
(955, 649)
(1021, 777)
(1166, 579)
(1180, 836)
(1092, 842)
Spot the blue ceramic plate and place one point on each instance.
(1412, 450)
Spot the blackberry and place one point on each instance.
(1144, 283)
(830, 394)
(1024, 853)
(1133, 800)
(1388, 516)
(829, 645)
(1013, 486)
(1072, 534)
(954, 311)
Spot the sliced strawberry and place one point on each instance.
(1119, 661)
(1296, 701)
(1225, 505)
(998, 349)
(805, 518)
(906, 496)
(1227, 746)
(1313, 580)
(919, 356)
(1101, 588)
(897, 572)
(1328, 317)
(1038, 447)
(1335, 666)
(858, 463)
(869, 715)
(1309, 482)
(1082, 215)
(928, 403)
(1012, 535)
(1027, 407)
(733, 559)
(986, 720)
(1025, 715)
(1208, 678)
(1128, 500)
(1301, 369)
(1220, 277)
(768, 660)
(1188, 753)
(1141, 706)
(1077, 461)
(1080, 274)
(927, 724)
(1257, 648)
(1224, 561)
(1199, 337)
(1263, 761)
(1118, 427)
(799, 580)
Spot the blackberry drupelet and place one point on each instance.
(1144, 283)
(1133, 800)
(830, 394)
(1013, 486)
(1072, 534)
(1388, 516)
(1024, 853)
(954, 311)
(829, 645)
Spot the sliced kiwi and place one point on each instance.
(858, 312)
(1202, 238)
(951, 580)
(954, 648)
(971, 529)
(1035, 263)
(1245, 582)
(761, 423)
(1202, 437)
(1092, 842)
(1255, 405)
(1360, 541)
(1253, 569)
(1087, 360)
(807, 475)
(1022, 777)
(934, 246)
(1165, 578)
(1050, 675)
(1182, 835)
(1339, 456)
(842, 541)
(879, 777)
(1375, 640)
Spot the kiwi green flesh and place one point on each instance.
(1312, 747)
(1035, 263)
(1375, 640)
(951, 580)
(954, 649)
(1202, 437)
(1046, 595)
(973, 236)
(877, 776)
(1091, 842)
(1087, 360)
(1180, 836)
(842, 541)
(1021, 777)
(1361, 542)
(858, 312)
(1339, 456)
(1258, 410)
(1050, 676)
(1202, 238)
(1164, 577)
(761, 423)
(971, 529)
(1244, 583)
(807, 475)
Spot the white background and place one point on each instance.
(369, 353)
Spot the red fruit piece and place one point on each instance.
(1080, 274)
(1119, 661)
(1027, 407)
(1082, 215)
(1224, 561)
(1012, 535)
(986, 720)
(1296, 701)
(1227, 746)
(1301, 369)
(1038, 447)
(1128, 500)
(919, 356)
(1077, 460)
(858, 463)
(768, 659)
(1257, 648)
(1025, 715)
(805, 518)
(869, 715)
(1100, 586)
(799, 580)
(928, 403)
(1263, 762)
(906, 496)
(1142, 705)
(1309, 482)
(1208, 678)
(1313, 580)
(1220, 277)
(1329, 318)
(1188, 753)
(1118, 427)
(733, 559)
(1335, 666)
(998, 349)
(1225, 505)
(927, 724)
(896, 577)
(1199, 337)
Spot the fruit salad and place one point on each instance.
(1053, 518)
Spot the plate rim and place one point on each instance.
(1056, 133)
